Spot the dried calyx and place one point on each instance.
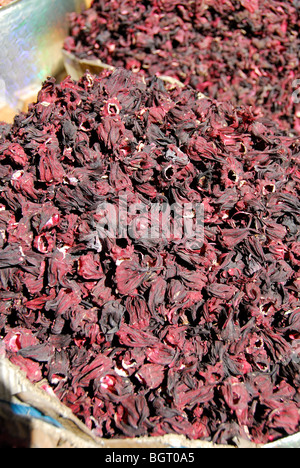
(239, 50)
(144, 335)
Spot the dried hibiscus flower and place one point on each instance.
(239, 50)
(139, 326)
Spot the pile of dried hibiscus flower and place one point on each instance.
(140, 335)
(246, 51)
